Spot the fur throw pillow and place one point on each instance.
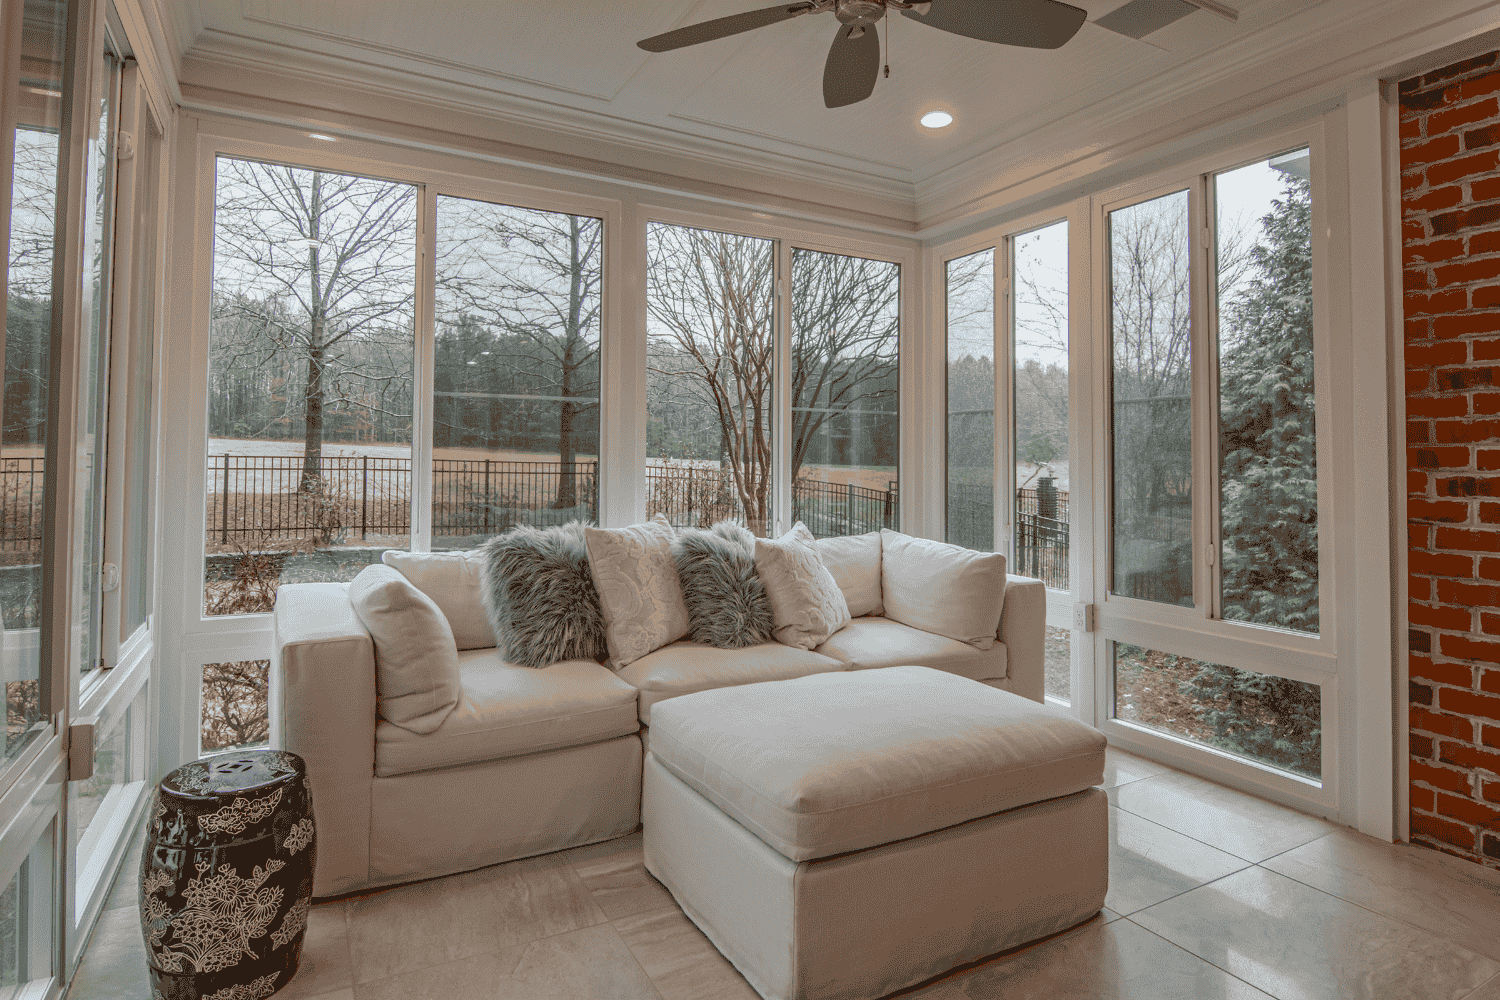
(726, 601)
(540, 596)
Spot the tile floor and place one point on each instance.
(1213, 894)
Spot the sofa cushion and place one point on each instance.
(506, 710)
(638, 589)
(806, 602)
(685, 667)
(854, 563)
(452, 580)
(726, 598)
(880, 642)
(844, 761)
(416, 662)
(942, 588)
(540, 596)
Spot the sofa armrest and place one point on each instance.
(1023, 629)
(323, 693)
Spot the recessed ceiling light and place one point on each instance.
(937, 119)
(325, 138)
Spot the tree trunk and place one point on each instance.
(567, 486)
(312, 425)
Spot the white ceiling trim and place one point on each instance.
(264, 68)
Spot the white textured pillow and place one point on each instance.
(940, 588)
(453, 581)
(639, 595)
(806, 604)
(416, 662)
(854, 563)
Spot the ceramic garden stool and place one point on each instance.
(227, 876)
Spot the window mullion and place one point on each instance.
(422, 377)
(1204, 409)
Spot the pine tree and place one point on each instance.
(1269, 500)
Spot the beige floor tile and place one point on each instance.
(1489, 991)
(1106, 915)
(1122, 767)
(615, 872)
(431, 923)
(682, 963)
(1221, 817)
(585, 963)
(1294, 941)
(1446, 896)
(347, 993)
(114, 965)
(1096, 961)
(325, 965)
(1149, 863)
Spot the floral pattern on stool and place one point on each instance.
(227, 876)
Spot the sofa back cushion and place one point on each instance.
(416, 661)
(806, 604)
(541, 597)
(638, 590)
(726, 598)
(854, 563)
(945, 589)
(452, 580)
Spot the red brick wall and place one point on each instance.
(1450, 200)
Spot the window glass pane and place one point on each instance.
(1039, 283)
(1150, 330)
(846, 321)
(100, 805)
(1270, 720)
(1059, 663)
(310, 379)
(235, 710)
(710, 307)
(971, 400)
(1268, 504)
(27, 934)
(516, 370)
(135, 580)
(35, 98)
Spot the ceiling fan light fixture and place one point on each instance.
(937, 119)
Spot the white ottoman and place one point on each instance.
(850, 834)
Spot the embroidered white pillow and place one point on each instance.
(639, 595)
(854, 563)
(940, 588)
(806, 604)
(416, 661)
(452, 580)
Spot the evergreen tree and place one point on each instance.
(1269, 481)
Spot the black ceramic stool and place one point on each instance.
(227, 876)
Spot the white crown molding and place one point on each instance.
(224, 63)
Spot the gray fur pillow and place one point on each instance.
(540, 596)
(726, 601)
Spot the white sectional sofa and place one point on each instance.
(537, 760)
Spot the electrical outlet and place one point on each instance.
(1083, 617)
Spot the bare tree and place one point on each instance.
(319, 259)
(535, 278)
(710, 297)
(845, 320)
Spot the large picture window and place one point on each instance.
(310, 381)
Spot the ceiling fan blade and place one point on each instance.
(852, 68)
(722, 27)
(1035, 24)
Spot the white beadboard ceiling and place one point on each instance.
(572, 67)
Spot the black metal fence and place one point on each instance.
(21, 483)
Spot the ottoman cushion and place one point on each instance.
(839, 762)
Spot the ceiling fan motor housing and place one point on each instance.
(859, 13)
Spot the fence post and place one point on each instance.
(886, 519)
(364, 502)
(849, 507)
(224, 519)
(487, 497)
(594, 490)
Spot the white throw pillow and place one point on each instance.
(806, 604)
(940, 588)
(454, 581)
(854, 563)
(416, 662)
(639, 594)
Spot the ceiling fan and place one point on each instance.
(854, 60)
